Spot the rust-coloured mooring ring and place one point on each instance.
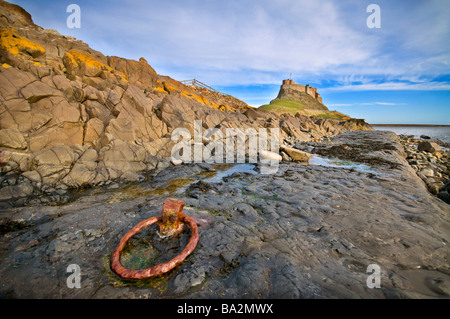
(159, 269)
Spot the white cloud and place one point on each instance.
(391, 86)
(239, 42)
(366, 104)
(240, 38)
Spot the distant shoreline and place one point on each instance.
(413, 125)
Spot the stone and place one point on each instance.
(63, 134)
(122, 128)
(17, 47)
(138, 72)
(80, 175)
(444, 196)
(90, 155)
(291, 126)
(93, 131)
(11, 80)
(62, 83)
(84, 171)
(6, 193)
(105, 140)
(12, 138)
(98, 83)
(96, 110)
(37, 90)
(328, 125)
(32, 176)
(59, 108)
(124, 157)
(286, 157)
(176, 112)
(20, 161)
(293, 230)
(81, 63)
(53, 164)
(254, 115)
(15, 15)
(23, 189)
(18, 114)
(268, 155)
(434, 188)
(296, 155)
(176, 161)
(16, 191)
(430, 147)
(355, 125)
(132, 176)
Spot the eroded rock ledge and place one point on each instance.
(307, 231)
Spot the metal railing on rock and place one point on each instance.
(195, 82)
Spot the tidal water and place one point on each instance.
(434, 132)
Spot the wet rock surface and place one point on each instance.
(307, 231)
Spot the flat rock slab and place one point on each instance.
(306, 231)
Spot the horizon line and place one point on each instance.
(442, 125)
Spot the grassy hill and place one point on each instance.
(294, 107)
(283, 106)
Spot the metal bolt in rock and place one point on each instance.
(170, 223)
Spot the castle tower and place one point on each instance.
(288, 82)
(311, 91)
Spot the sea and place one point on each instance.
(439, 132)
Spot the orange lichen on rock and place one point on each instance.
(168, 88)
(203, 100)
(81, 63)
(199, 98)
(159, 89)
(224, 107)
(15, 44)
(37, 64)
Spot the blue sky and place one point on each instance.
(399, 73)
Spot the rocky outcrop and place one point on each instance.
(305, 95)
(355, 125)
(81, 118)
(15, 15)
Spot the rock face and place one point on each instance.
(307, 231)
(59, 97)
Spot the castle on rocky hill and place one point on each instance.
(312, 91)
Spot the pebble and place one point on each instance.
(432, 168)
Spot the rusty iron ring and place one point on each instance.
(159, 269)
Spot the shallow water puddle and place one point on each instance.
(145, 250)
(222, 170)
(327, 162)
(237, 168)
